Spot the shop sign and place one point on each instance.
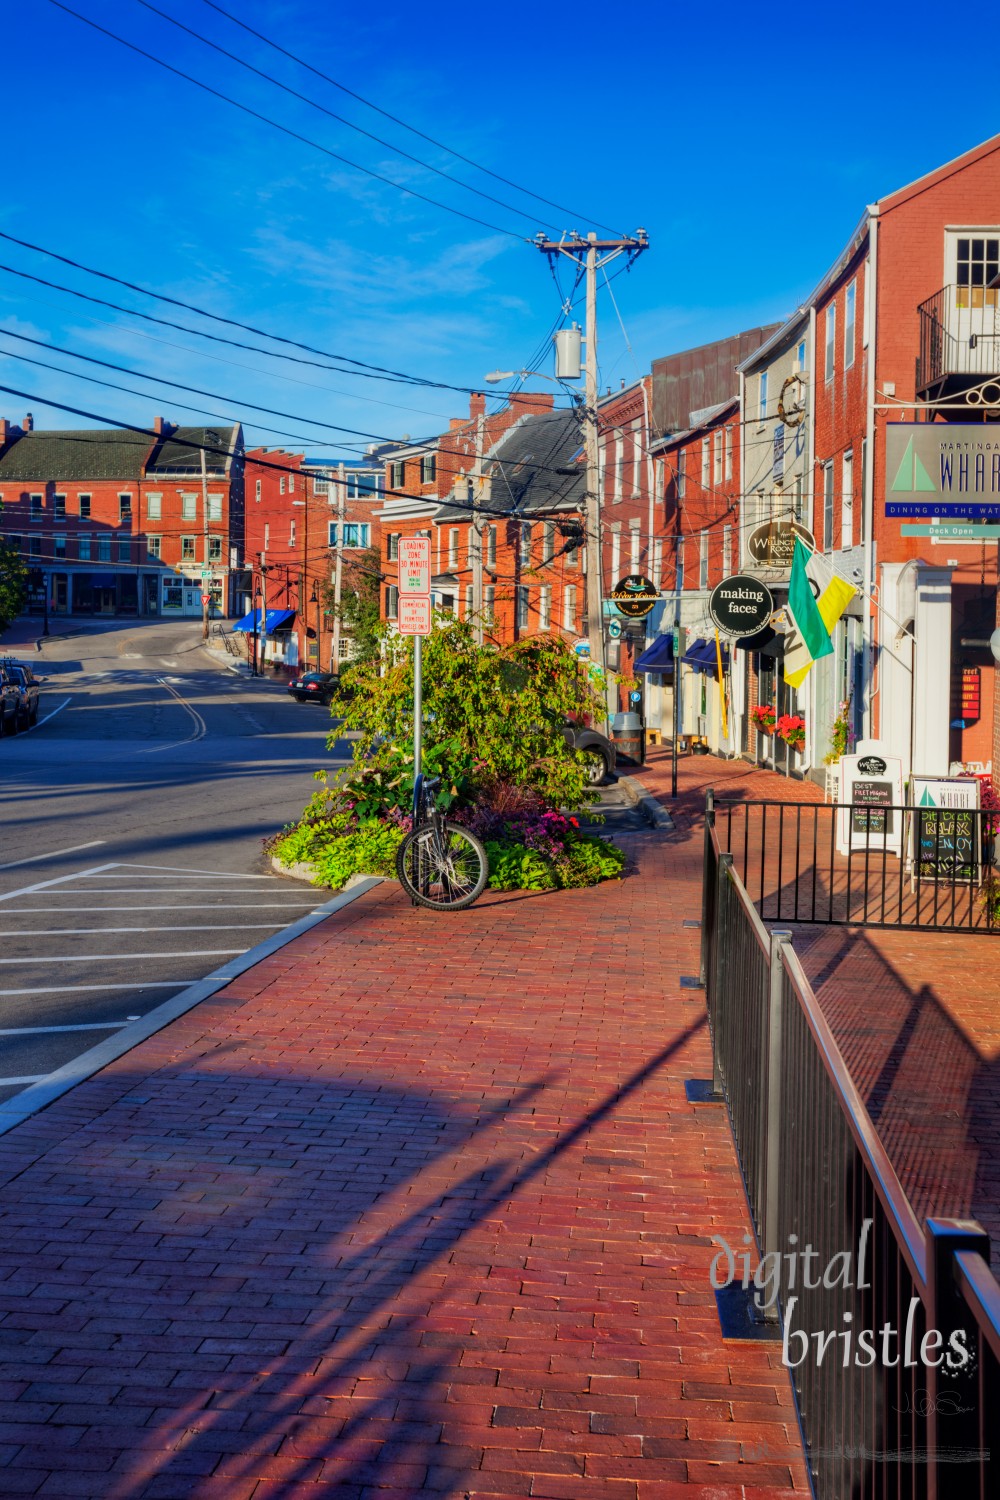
(581, 648)
(740, 605)
(947, 466)
(635, 596)
(945, 841)
(772, 544)
(871, 786)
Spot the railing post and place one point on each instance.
(720, 983)
(781, 938)
(706, 877)
(954, 1399)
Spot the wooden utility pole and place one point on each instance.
(594, 255)
(476, 533)
(205, 590)
(338, 571)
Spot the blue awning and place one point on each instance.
(701, 656)
(274, 619)
(659, 657)
(103, 580)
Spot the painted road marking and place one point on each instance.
(39, 722)
(93, 958)
(40, 1030)
(200, 727)
(66, 989)
(55, 853)
(9, 1083)
(201, 927)
(169, 906)
(45, 885)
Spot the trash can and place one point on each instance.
(628, 738)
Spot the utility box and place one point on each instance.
(568, 342)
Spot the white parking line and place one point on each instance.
(7, 1083)
(46, 885)
(187, 870)
(201, 927)
(170, 906)
(93, 958)
(68, 989)
(39, 1030)
(39, 722)
(53, 854)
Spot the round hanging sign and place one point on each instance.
(741, 605)
(635, 596)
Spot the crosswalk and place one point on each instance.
(88, 953)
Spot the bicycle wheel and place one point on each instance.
(445, 870)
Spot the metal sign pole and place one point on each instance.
(676, 708)
(418, 714)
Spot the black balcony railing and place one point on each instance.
(959, 336)
(903, 1423)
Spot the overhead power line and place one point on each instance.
(497, 177)
(285, 129)
(331, 114)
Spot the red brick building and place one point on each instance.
(117, 522)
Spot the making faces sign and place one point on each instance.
(946, 469)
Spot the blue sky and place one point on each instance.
(740, 139)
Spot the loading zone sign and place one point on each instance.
(414, 565)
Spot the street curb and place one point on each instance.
(654, 812)
(39, 1095)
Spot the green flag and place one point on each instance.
(808, 639)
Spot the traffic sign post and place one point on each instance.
(414, 618)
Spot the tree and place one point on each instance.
(12, 584)
(359, 603)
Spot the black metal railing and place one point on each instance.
(959, 335)
(890, 1327)
(849, 864)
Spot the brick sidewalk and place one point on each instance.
(926, 1054)
(416, 1206)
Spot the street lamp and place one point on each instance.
(314, 599)
(498, 375)
(256, 627)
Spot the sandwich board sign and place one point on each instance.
(871, 786)
(945, 840)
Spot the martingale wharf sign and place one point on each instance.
(740, 605)
(946, 469)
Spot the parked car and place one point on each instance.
(10, 703)
(314, 687)
(28, 687)
(599, 750)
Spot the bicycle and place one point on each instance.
(440, 864)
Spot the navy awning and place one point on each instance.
(274, 619)
(701, 656)
(767, 641)
(103, 580)
(659, 657)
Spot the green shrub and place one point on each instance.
(586, 861)
(590, 860)
(513, 867)
(336, 855)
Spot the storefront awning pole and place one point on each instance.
(722, 688)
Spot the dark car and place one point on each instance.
(314, 687)
(599, 750)
(10, 703)
(28, 688)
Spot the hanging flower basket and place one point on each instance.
(792, 729)
(763, 716)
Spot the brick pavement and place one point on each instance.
(916, 1014)
(416, 1206)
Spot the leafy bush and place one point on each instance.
(336, 856)
(513, 867)
(584, 861)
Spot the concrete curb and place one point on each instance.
(39, 1095)
(304, 871)
(654, 812)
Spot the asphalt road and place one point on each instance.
(131, 824)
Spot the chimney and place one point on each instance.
(477, 404)
(158, 426)
(4, 432)
(29, 423)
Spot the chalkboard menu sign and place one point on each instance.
(871, 786)
(946, 828)
(871, 807)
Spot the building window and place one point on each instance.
(521, 618)
(637, 458)
(635, 542)
(392, 546)
(798, 500)
(59, 545)
(618, 468)
(321, 486)
(355, 534)
(831, 339)
(717, 469)
(291, 484)
(104, 548)
(525, 544)
(705, 463)
(35, 507)
(847, 502)
(800, 358)
(681, 474)
(453, 547)
(548, 541)
(267, 535)
(977, 263)
(616, 555)
(491, 547)
(124, 549)
(397, 475)
(14, 541)
(257, 490)
(152, 546)
(569, 608)
(489, 604)
(83, 548)
(828, 507)
(35, 546)
(703, 560)
(58, 507)
(331, 533)
(189, 507)
(849, 301)
(154, 507)
(428, 468)
(392, 601)
(124, 507)
(545, 607)
(468, 601)
(727, 551)
(573, 552)
(729, 453)
(215, 507)
(85, 507)
(281, 485)
(680, 563)
(762, 402)
(291, 533)
(215, 549)
(187, 548)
